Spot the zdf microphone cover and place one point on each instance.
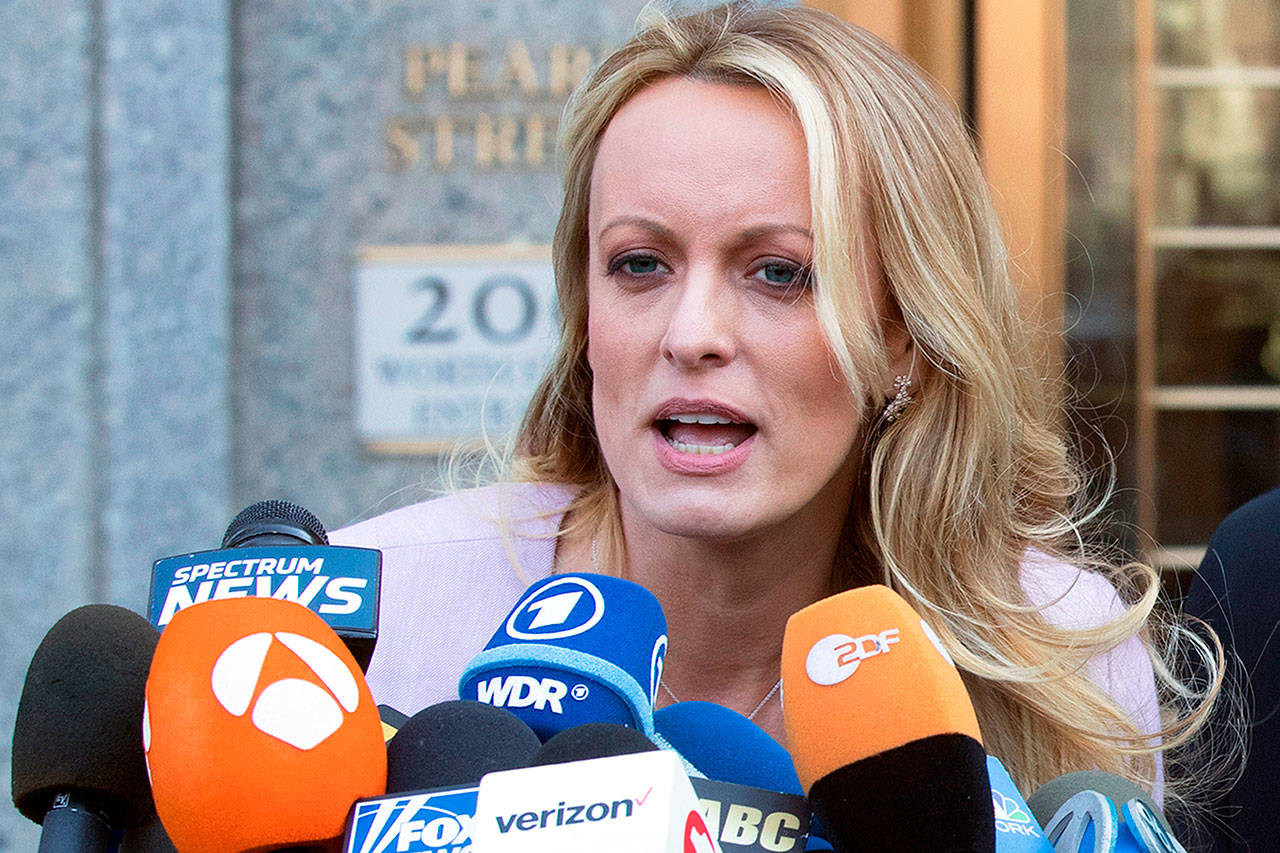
(577, 648)
(885, 739)
(862, 673)
(259, 728)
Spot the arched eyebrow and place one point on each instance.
(773, 228)
(668, 234)
(648, 224)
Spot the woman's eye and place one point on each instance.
(638, 265)
(783, 275)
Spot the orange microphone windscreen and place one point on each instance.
(259, 728)
(863, 673)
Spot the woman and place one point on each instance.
(791, 363)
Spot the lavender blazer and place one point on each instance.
(453, 567)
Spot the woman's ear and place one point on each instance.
(899, 346)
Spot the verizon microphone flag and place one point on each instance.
(639, 803)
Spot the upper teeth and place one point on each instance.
(700, 419)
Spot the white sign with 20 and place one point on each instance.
(450, 342)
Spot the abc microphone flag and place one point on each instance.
(885, 739)
(577, 648)
(259, 729)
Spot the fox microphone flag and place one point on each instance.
(277, 549)
(258, 727)
(577, 648)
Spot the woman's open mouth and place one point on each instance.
(703, 433)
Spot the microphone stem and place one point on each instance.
(72, 826)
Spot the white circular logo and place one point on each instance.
(823, 663)
(837, 656)
(301, 713)
(579, 692)
(556, 612)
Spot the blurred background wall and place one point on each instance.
(190, 194)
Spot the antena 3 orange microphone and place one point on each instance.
(259, 729)
(884, 737)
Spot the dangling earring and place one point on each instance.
(894, 408)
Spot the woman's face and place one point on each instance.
(719, 409)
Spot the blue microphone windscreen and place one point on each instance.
(1017, 830)
(577, 648)
(724, 745)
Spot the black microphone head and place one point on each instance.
(592, 740)
(455, 743)
(274, 522)
(932, 793)
(79, 721)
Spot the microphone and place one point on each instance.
(1017, 830)
(434, 765)
(1099, 812)
(277, 549)
(576, 648)
(77, 763)
(751, 798)
(723, 744)
(592, 740)
(258, 727)
(885, 739)
(454, 744)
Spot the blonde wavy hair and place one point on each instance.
(976, 473)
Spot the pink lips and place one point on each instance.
(696, 463)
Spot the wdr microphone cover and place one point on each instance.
(577, 648)
(259, 728)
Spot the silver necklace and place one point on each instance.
(595, 564)
(776, 687)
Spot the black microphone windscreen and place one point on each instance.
(455, 743)
(929, 794)
(592, 740)
(79, 721)
(268, 522)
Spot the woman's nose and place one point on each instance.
(701, 330)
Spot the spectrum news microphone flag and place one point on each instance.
(259, 729)
(885, 739)
(576, 648)
(277, 549)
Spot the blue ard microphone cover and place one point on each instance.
(577, 648)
